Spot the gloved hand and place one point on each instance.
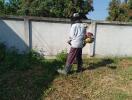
(84, 43)
(69, 42)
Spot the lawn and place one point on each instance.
(25, 76)
(102, 79)
(32, 77)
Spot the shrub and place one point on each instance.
(2, 51)
(12, 59)
(62, 56)
(35, 57)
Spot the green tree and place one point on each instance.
(130, 4)
(49, 8)
(1, 7)
(83, 6)
(123, 13)
(130, 10)
(120, 11)
(113, 10)
(13, 7)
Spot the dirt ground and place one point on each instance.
(104, 79)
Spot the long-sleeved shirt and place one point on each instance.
(77, 34)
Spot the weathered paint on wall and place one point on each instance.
(113, 40)
(49, 36)
(12, 34)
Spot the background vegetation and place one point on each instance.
(46, 8)
(120, 11)
(25, 76)
(31, 76)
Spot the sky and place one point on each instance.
(100, 10)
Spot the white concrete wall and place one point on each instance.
(50, 36)
(12, 34)
(113, 40)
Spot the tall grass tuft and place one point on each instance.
(62, 56)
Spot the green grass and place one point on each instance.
(33, 77)
(27, 83)
(102, 79)
(25, 76)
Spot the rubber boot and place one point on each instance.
(65, 71)
(79, 68)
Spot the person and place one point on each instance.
(76, 38)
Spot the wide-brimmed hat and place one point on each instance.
(76, 15)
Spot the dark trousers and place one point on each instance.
(75, 53)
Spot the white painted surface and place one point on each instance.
(12, 34)
(113, 40)
(51, 38)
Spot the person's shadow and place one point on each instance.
(106, 62)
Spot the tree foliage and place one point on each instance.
(120, 11)
(46, 8)
(1, 7)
